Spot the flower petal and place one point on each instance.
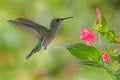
(106, 57)
(87, 35)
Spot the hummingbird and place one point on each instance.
(45, 36)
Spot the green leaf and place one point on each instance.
(84, 52)
(97, 27)
(117, 71)
(109, 51)
(118, 56)
(119, 59)
(91, 63)
(110, 36)
(104, 23)
(103, 27)
(117, 77)
(117, 74)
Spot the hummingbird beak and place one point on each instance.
(66, 18)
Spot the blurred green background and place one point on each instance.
(56, 63)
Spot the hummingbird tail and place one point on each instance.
(36, 49)
(29, 55)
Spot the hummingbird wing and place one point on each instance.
(33, 28)
(30, 26)
(35, 49)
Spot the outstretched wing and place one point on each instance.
(30, 26)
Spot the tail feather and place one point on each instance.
(36, 49)
(29, 55)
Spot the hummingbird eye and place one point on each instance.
(57, 20)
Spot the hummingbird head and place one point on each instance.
(56, 22)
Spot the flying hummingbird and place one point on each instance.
(44, 35)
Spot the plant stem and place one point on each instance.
(100, 43)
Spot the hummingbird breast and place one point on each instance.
(47, 39)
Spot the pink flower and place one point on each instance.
(98, 15)
(106, 57)
(87, 36)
